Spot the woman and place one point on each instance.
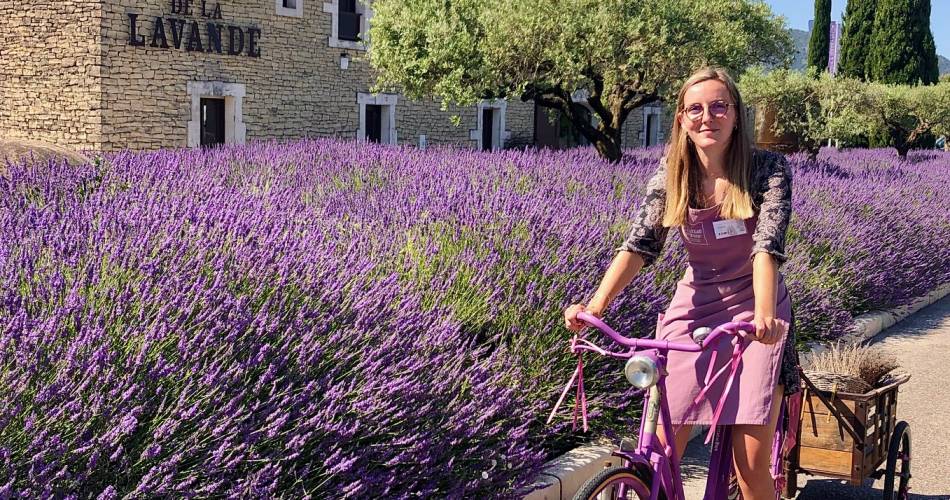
(731, 205)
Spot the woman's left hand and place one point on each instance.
(769, 330)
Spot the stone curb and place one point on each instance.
(564, 475)
(868, 325)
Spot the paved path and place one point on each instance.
(922, 344)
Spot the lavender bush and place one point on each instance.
(325, 319)
(868, 232)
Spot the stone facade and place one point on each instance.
(50, 72)
(106, 75)
(635, 134)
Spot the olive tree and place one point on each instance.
(794, 99)
(815, 110)
(608, 56)
(907, 113)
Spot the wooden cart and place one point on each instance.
(848, 436)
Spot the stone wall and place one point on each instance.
(633, 128)
(296, 88)
(50, 64)
(73, 73)
(630, 134)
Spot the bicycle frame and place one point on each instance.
(662, 461)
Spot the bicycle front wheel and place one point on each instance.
(616, 483)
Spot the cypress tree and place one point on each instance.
(902, 49)
(856, 38)
(932, 65)
(818, 43)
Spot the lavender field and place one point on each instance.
(326, 319)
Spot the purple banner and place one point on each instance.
(833, 36)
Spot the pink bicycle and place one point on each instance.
(651, 471)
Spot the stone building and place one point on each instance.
(104, 75)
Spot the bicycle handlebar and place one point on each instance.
(737, 328)
(742, 328)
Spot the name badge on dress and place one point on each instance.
(728, 227)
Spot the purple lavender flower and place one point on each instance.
(324, 317)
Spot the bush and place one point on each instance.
(908, 116)
(794, 98)
(817, 108)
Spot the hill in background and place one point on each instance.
(800, 38)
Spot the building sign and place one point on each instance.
(203, 32)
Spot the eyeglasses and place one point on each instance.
(717, 109)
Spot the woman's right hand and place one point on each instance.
(570, 316)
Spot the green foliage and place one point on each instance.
(856, 38)
(931, 67)
(906, 114)
(902, 49)
(819, 41)
(844, 109)
(616, 55)
(794, 98)
(879, 138)
(847, 109)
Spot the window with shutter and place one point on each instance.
(349, 19)
(374, 123)
(488, 129)
(216, 116)
(350, 23)
(290, 8)
(212, 122)
(490, 133)
(651, 132)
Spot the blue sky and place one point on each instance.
(798, 12)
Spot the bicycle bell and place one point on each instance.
(700, 334)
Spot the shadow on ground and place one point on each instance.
(926, 321)
(824, 489)
(921, 343)
(695, 460)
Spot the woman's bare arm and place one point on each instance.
(765, 289)
(622, 269)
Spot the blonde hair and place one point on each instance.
(683, 171)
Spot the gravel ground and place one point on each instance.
(922, 344)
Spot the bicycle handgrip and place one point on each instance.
(594, 321)
(732, 327)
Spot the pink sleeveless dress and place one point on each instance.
(717, 288)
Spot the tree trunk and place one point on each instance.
(605, 138)
(810, 147)
(901, 140)
(608, 149)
